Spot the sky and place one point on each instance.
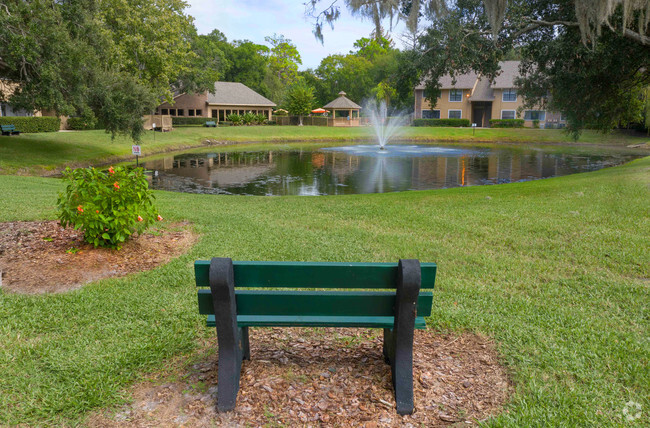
(253, 20)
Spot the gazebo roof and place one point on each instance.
(343, 102)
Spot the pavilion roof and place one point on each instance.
(343, 102)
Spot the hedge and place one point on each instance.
(184, 121)
(441, 122)
(29, 124)
(82, 124)
(507, 123)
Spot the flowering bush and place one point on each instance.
(109, 206)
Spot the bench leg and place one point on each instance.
(229, 337)
(408, 288)
(389, 345)
(246, 349)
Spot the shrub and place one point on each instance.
(28, 124)
(249, 118)
(536, 123)
(507, 123)
(108, 206)
(83, 123)
(441, 122)
(234, 118)
(186, 121)
(262, 118)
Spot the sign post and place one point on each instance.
(473, 129)
(136, 151)
(153, 125)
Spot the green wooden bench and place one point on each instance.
(210, 124)
(246, 294)
(9, 130)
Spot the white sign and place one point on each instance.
(136, 150)
(153, 125)
(473, 125)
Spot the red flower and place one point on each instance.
(97, 211)
(160, 217)
(80, 209)
(139, 218)
(116, 185)
(111, 170)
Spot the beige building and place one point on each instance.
(227, 98)
(475, 98)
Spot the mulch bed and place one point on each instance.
(324, 378)
(42, 257)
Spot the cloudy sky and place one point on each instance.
(254, 19)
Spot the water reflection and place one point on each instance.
(333, 172)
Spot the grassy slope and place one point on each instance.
(33, 153)
(556, 271)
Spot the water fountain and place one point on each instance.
(385, 127)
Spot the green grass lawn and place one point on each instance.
(36, 154)
(556, 271)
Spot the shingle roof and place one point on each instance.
(234, 93)
(482, 91)
(506, 78)
(509, 70)
(342, 102)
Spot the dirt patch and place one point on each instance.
(324, 377)
(42, 257)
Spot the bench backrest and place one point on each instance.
(8, 127)
(210, 123)
(274, 276)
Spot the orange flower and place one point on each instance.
(80, 209)
(160, 217)
(97, 211)
(139, 218)
(111, 170)
(116, 185)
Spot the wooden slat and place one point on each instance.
(315, 321)
(313, 274)
(315, 303)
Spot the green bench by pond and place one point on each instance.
(247, 294)
(9, 130)
(210, 124)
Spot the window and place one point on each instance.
(164, 111)
(199, 112)
(181, 112)
(455, 114)
(508, 114)
(430, 114)
(509, 95)
(190, 112)
(172, 112)
(562, 117)
(455, 95)
(535, 115)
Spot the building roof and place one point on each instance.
(234, 93)
(505, 79)
(509, 71)
(342, 102)
(482, 91)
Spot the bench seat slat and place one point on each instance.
(315, 303)
(252, 274)
(316, 321)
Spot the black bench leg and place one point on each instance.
(246, 349)
(229, 337)
(389, 345)
(408, 288)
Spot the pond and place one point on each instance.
(339, 170)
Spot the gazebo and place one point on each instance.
(345, 112)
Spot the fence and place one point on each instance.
(319, 121)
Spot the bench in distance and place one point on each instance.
(9, 130)
(247, 294)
